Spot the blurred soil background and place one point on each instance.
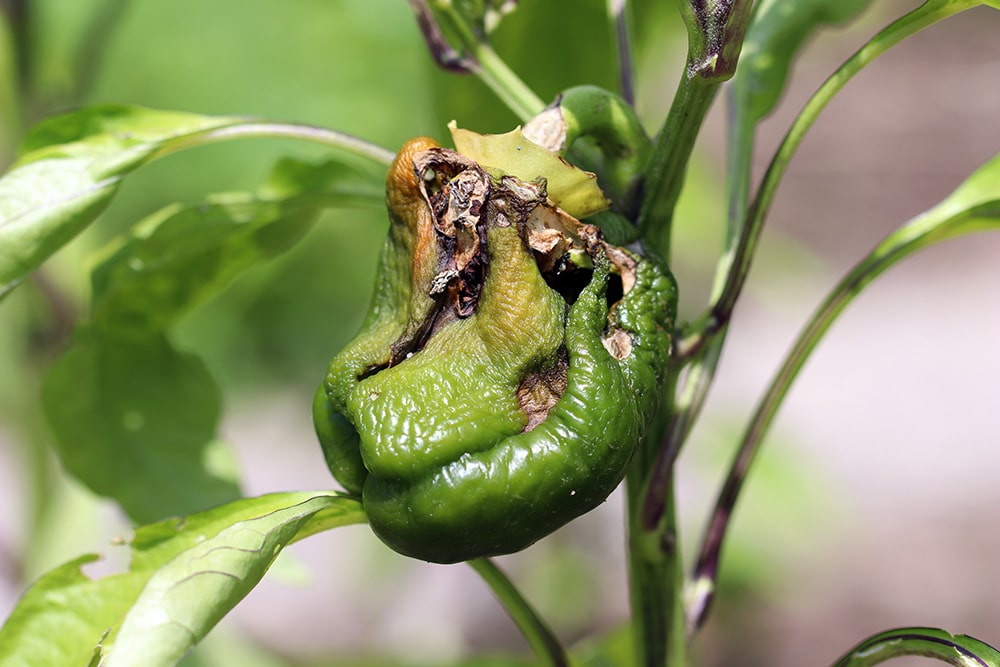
(875, 503)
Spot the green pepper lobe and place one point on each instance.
(506, 370)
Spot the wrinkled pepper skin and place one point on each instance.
(474, 421)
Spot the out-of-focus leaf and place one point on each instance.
(10, 111)
(69, 168)
(777, 31)
(958, 650)
(616, 649)
(570, 188)
(184, 576)
(179, 257)
(131, 414)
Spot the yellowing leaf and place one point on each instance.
(570, 188)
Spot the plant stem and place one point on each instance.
(686, 408)
(656, 573)
(505, 84)
(490, 67)
(621, 28)
(534, 629)
(714, 324)
(918, 233)
(656, 583)
(702, 363)
(339, 140)
(715, 29)
(668, 164)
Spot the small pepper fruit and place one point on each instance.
(508, 366)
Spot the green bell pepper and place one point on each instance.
(508, 366)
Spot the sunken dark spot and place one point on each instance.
(372, 370)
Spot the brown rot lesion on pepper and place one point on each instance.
(509, 363)
(451, 259)
(539, 392)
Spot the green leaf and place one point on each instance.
(615, 649)
(184, 576)
(180, 257)
(131, 414)
(131, 417)
(973, 206)
(778, 30)
(958, 650)
(70, 167)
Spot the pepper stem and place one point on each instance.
(541, 638)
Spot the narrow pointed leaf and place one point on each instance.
(65, 614)
(777, 32)
(973, 206)
(958, 650)
(70, 167)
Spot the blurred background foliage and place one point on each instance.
(362, 68)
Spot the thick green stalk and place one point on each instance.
(665, 174)
(716, 29)
(550, 652)
(702, 363)
(656, 584)
(656, 572)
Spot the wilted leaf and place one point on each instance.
(184, 576)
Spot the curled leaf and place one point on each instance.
(570, 188)
(958, 650)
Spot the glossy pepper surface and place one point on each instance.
(506, 370)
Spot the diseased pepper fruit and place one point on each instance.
(505, 372)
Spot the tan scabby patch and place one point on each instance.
(618, 343)
(539, 392)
